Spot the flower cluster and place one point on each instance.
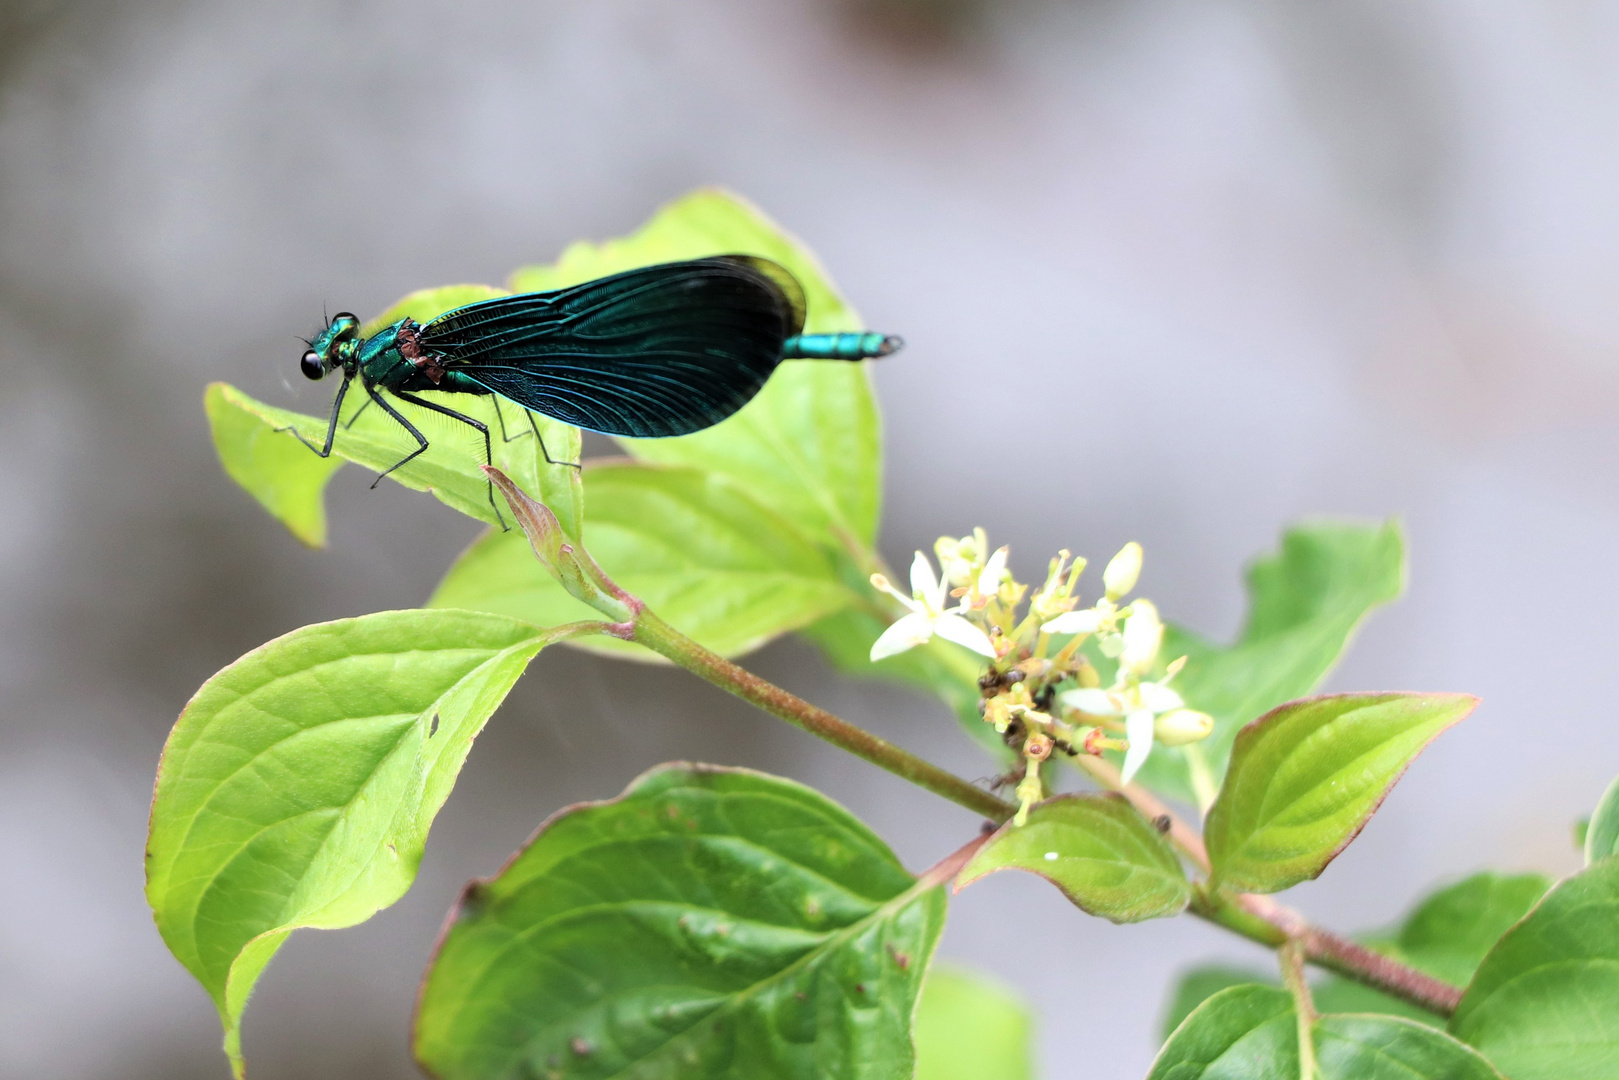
(1041, 690)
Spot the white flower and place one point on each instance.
(1140, 704)
(927, 616)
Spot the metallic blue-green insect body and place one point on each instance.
(660, 351)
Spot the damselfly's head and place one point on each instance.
(333, 348)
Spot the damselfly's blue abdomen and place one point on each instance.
(840, 346)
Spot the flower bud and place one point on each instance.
(1086, 621)
(1143, 634)
(957, 559)
(1122, 571)
(1182, 726)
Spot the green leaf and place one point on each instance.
(969, 1027)
(1305, 778)
(809, 446)
(1251, 1032)
(299, 783)
(695, 547)
(1367, 1047)
(289, 479)
(1602, 831)
(286, 479)
(1241, 1032)
(1304, 604)
(1104, 856)
(1545, 1001)
(1451, 932)
(425, 305)
(1197, 985)
(707, 923)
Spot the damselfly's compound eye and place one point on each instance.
(310, 365)
(346, 323)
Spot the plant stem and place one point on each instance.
(665, 640)
(1292, 962)
(1261, 919)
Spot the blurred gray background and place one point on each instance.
(1176, 272)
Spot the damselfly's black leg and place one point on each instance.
(349, 423)
(533, 428)
(495, 398)
(421, 440)
(483, 429)
(331, 428)
(548, 459)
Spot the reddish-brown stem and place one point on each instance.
(1264, 920)
(1353, 961)
(663, 639)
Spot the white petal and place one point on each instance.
(1138, 729)
(1091, 700)
(1074, 622)
(955, 628)
(1159, 698)
(989, 579)
(909, 632)
(924, 586)
(883, 584)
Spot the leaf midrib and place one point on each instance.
(1265, 816)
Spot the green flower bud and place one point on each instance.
(1182, 726)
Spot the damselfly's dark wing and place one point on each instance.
(663, 350)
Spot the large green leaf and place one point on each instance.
(289, 479)
(809, 446)
(1305, 778)
(695, 547)
(1304, 604)
(1251, 1033)
(286, 479)
(1446, 936)
(299, 783)
(707, 923)
(1104, 856)
(1545, 1001)
(969, 1027)
(1602, 831)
